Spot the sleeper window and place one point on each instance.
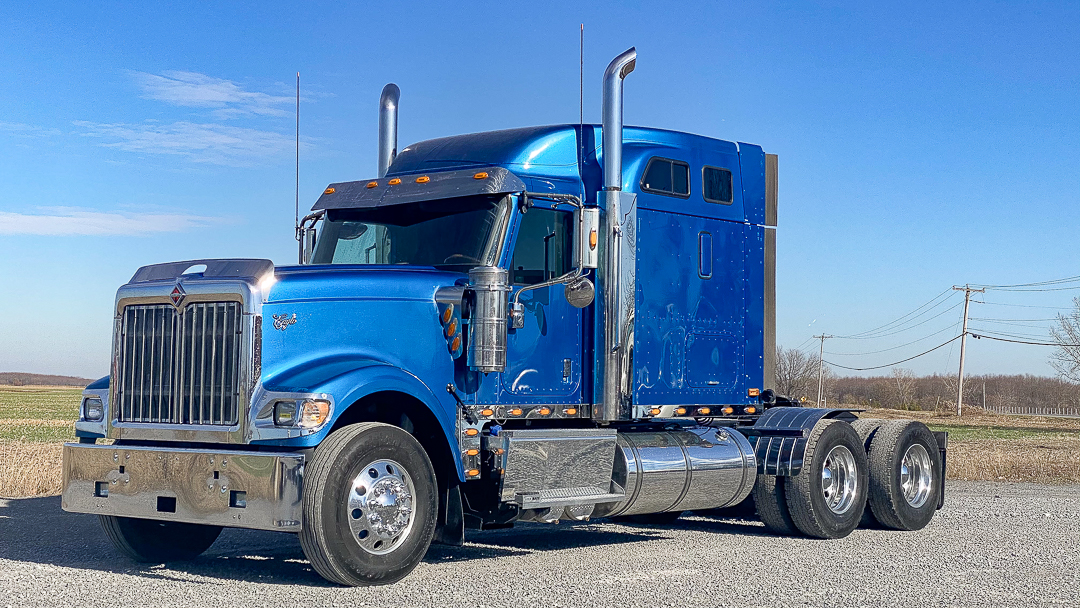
(716, 185)
(666, 176)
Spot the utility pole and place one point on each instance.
(821, 367)
(963, 344)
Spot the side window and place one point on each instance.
(544, 246)
(716, 185)
(666, 176)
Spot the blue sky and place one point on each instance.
(921, 145)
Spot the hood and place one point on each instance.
(359, 282)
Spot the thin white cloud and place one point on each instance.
(21, 129)
(195, 90)
(200, 142)
(70, 221)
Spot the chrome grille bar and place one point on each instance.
(180, 367)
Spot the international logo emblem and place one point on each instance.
(177, 295)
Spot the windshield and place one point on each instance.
(449, 234)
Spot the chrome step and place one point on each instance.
(564, 497)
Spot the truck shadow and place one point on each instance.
(36, 530)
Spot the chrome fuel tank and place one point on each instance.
(681, 470)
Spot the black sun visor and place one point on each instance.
(404, 189)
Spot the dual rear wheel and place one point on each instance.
(888, 471)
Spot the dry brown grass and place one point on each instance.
(30, 469)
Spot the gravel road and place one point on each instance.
(992, 545)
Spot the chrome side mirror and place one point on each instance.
(580, 292)
(586, 239)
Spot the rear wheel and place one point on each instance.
(148, 540)
(905, 475)
(370, 505)
(826, 499)
(867, 429)
(771, 505)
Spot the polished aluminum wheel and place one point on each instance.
(380, 506)
(839, 479)
(916, 475)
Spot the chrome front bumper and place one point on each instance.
(260, 490)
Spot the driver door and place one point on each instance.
(543, 358)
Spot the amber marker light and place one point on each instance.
(570, 411)
(516, 411)
(704, 411)
(728, 410)
(487, 412)
(329, 191)
(472, 452)
(592, 239)
(452, 328)
(448, 313)
(754, 392)
(544, 411)
(372, 184)
(480, 175)
(681, 411)
(654, 411)
(455, 343)
(423, 179)
(473, 473)
(471, 432)
(394, 182)
(750, 409)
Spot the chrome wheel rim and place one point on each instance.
(916, 475)
(839, 480)
(380, 506)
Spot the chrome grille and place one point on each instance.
(180, 367)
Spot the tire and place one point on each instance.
(370, 505)
(831, 512)
(897, 499)
(867, 428)
(650, 519)
(157, 542)
(771, 505)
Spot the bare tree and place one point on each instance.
(796, 373)
(1066, 358)
(904, 382)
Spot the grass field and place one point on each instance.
(36, 420)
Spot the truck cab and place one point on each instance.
(540, 324)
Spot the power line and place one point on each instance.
(980, 336)
(874, 352)
(1022, 305)
(863, 369)
(909, 327)
(901, 319)
(1036, 284)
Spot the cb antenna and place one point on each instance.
(581, 96)
(296, 222)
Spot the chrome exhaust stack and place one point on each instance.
(388, 111)
(616, 71)
(614, 397)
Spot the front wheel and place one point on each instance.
(370, 504)
(826, 499)
(157, 542)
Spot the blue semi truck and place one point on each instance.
(543, 324)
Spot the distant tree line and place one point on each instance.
(23, 379)
(797, 377)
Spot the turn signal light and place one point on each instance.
(654, 411)
(471, 432)
(313, 413)
(423, 179)
(480, 175)
(592, 239)
(372, 184)
(681, 411)
(487, 412)
(394, 182)
(329, 191)
(472, 452)
(704, 411)
(728, 410)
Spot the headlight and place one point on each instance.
(93, 410)
(308, 414)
